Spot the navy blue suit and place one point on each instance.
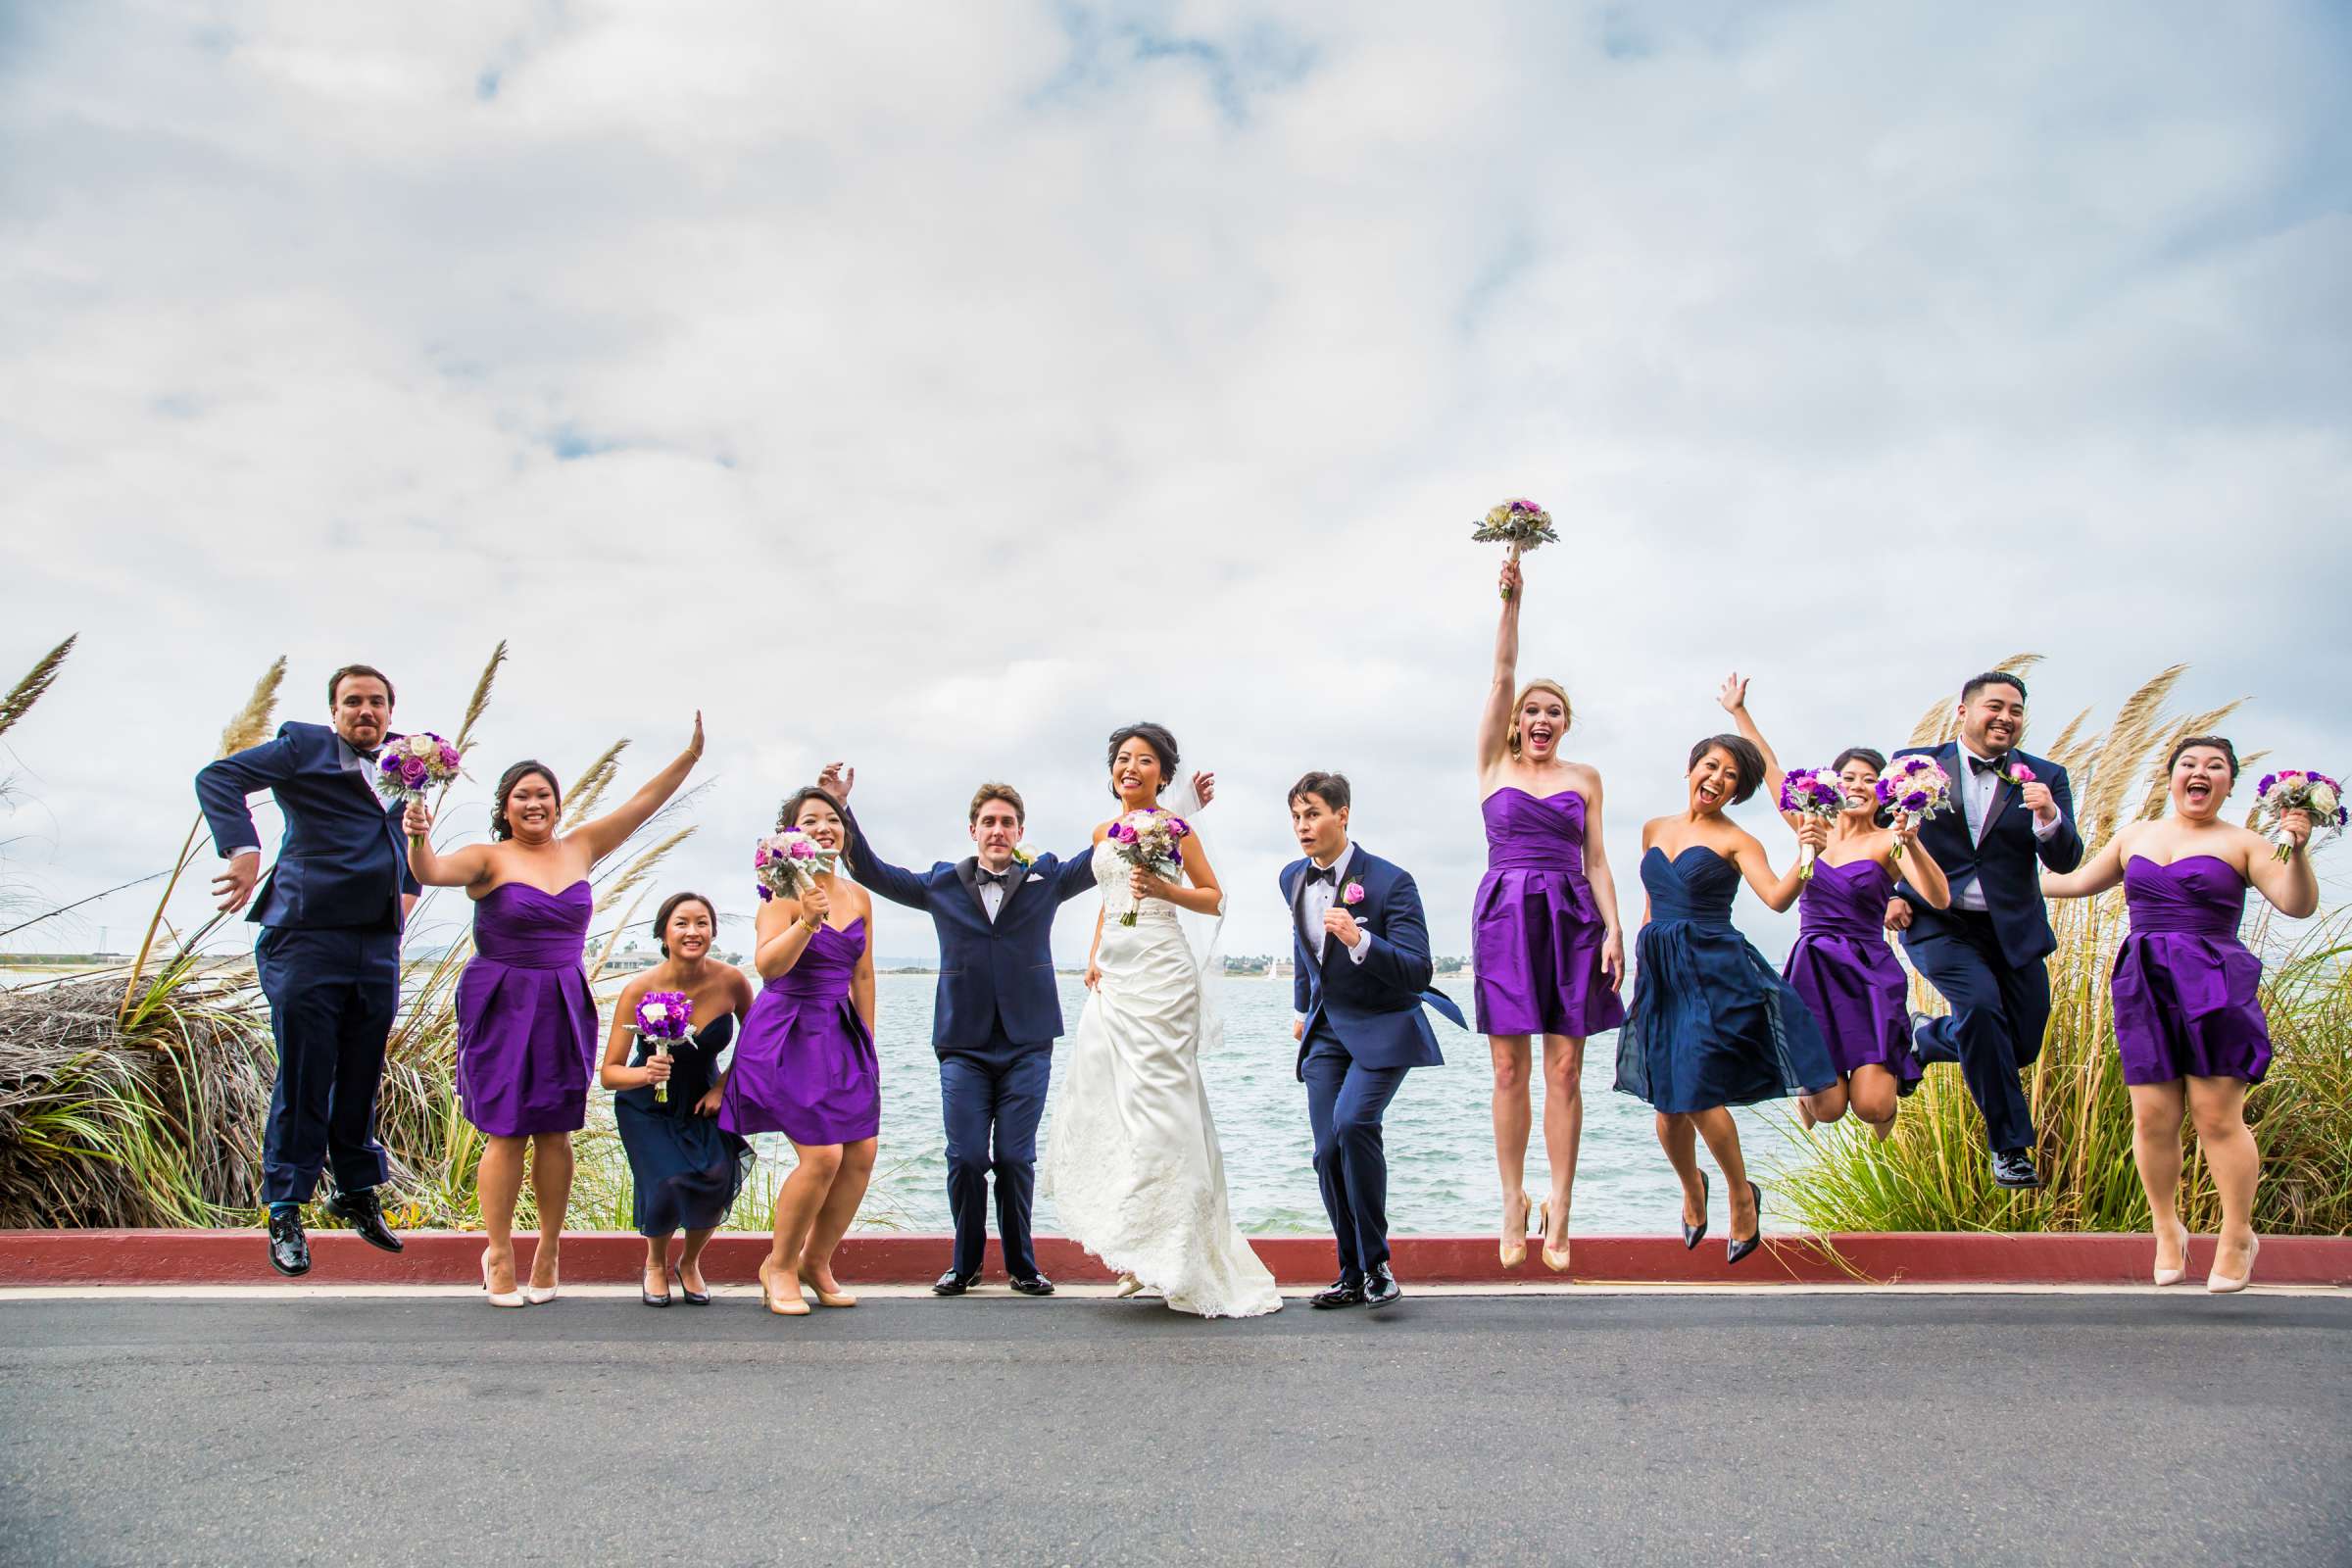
(994, 1021)
(1361, 1031)
(328, 952)
(1988, 964)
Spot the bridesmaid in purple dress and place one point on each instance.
(526, 1024)
(1842, 964)
(804, 1066)
(2188, 1019)
(1545, 945)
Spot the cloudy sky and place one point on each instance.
(939, 386)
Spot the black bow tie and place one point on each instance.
(1322, 873)
(995, 879)
(1988, 765)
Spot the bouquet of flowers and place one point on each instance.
(1915, 788)
(1519, 523)
(413, 767)
(662, 1017)
(1148, 840)
(2297, 789)
(1811, 792)
(788, 863)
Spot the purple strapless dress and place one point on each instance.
(2186, 990)
(1847, 973)
(804, 1065)
(1537, 934)
(526, 1024)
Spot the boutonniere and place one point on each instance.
(2019, 774)
(1024, 855)
(1353, 894)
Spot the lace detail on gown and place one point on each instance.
(1131, 1159)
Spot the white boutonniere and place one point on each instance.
(1024, 855)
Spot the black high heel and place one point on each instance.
(691, 1297)
(1734, 1249)
(1693, 1235)
(649, 1297)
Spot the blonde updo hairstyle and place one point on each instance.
(1519, 703)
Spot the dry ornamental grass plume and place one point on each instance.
(37, 680)
(251, 727)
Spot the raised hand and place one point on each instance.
(1512, 580)
(1813, 834)
(233, 887)
(837, 779)
(816, 905)
(1205, 787)
(2039, 800)
(693, 747)
(1734, 694)
(2295, 828)
(417, 821)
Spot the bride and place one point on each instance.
(1131, 1159)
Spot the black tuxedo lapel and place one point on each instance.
(967, 872)
(1016, 877)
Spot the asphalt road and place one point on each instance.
(1620, 1429)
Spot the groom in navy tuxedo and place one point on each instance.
(2014, 815)
(329, 948)
(1360, 961)
(997, 1014)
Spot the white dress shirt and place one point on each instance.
(1316, 902)
(992, 894)
(1976, 799)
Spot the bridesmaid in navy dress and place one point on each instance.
(1712, 1025)
(526, 1025)
(806, 1065)
(2188, 1019)
(1545, 946)
(1842, 964)
(684, 1169)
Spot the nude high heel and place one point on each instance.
(1557, 1262)
(2173, 1276)
(2221, 1283)
(499, 1298)
(1513, 1250)
(793, 1306)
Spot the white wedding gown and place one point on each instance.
(1131, 1159)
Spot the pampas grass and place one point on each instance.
(1932, 1174)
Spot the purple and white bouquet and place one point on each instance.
(664, 1016)
(1916, 788)
(1519, 523)
(1148, 840)
(415, 765)
(788, 863)
(1811, 792)
(2298, 789)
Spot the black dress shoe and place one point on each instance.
(1380, 1286)
(1346, 1291)
(365, 1217)
(289, 1248)
(691, 1297)
(954, 1284)
(649, 1297)
(1034, 1285)
(2014, 1168)
(1733, 1248)
(1693, 1235)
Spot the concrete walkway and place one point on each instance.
(1642, 1427)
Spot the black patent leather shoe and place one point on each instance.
(1693, 1235)
(365, 1217)
(954, 1284)
(1346, 1291)
(289, 1248)
(1034, 1285)
(1733, 1248)
(1380, 1286)
(2014, 1168)
(690, 1298)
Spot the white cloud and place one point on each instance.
(941, 394)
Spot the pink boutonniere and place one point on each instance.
(1353, 894)
(2020, 774)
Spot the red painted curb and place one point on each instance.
(453, 1257)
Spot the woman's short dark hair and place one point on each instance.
(500, 828)
(2219, 743)
(1860, 754)
(669, 906)
(334, 682)
(1745, 759)
(1329, 788)
(791, 812)
(1157, 736)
